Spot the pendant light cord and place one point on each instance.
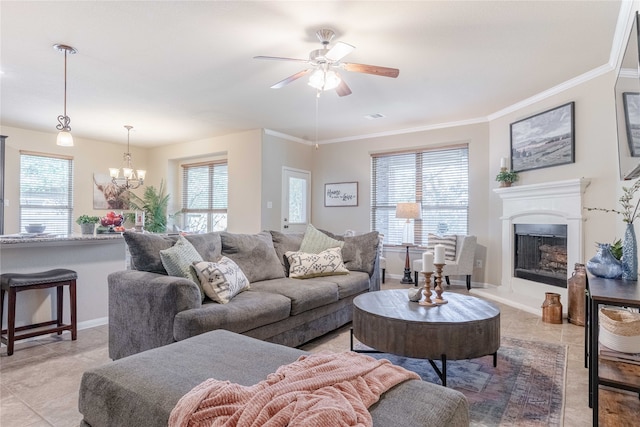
(317, 102)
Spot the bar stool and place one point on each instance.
(15, 282)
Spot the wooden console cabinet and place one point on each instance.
(610, 407)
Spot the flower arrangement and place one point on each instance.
(629, 211)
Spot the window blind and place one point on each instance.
(437, 179)
(46, 192)
(204, 196)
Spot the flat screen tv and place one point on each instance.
(627, 92)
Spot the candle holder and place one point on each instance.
(439, 300)
(427, 289)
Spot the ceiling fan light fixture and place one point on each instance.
(324, 79)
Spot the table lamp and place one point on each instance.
(407, 211)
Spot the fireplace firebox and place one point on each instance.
(540, 253)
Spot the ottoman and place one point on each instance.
(142, 389)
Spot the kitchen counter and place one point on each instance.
(26, 239)
(93, 257)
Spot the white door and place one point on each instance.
(296, 200)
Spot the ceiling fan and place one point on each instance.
(324, 63)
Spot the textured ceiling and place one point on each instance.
(182, 71)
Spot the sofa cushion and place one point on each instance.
(303, 265)
(304, 294)
(283, 243)
(315, 241)
(359, 252)
(208, 245)
(254, 254)
(145, 248)
(221, 280)
(178, 258)
(247, 310)
(349, 284)
(449, 243)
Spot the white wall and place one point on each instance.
(351, 161)
(276, 154)
(89, 156)
(596, 158)
(244, 155)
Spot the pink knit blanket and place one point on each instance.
(316, 390)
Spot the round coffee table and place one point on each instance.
(465, 328)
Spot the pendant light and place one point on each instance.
(131, 179)
(64, 139)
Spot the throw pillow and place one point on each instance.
(177, 259)
(315, 241)
(145, 248)
(305, 265)
(449, 243)
(208, 245)
(221, 280)
(254, 254)
(283, 243)
(359, 252)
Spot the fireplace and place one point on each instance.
(540, 253)
(557, 204)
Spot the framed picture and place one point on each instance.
(107, 195)
(632, 121)
(341, 194)
(544, 140)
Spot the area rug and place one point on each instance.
(525, 389)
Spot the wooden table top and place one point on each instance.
(464, 328)
(395, 304)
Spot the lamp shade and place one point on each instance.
(408, 210)
(64, 139)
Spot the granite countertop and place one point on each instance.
(28, 238)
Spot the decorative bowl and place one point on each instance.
(35, 228)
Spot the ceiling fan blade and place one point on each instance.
(343, 89)
(339, 51)
(289, 79)
(279, 58)
(371, 69)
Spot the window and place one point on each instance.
(204, 197)
(46, 192)
(438, 179)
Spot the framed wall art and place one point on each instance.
(107, 195)
(544, 140)
(341, 194)
(632, 121)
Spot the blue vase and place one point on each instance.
(604, 264)
(630, 254)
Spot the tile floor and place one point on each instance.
(39, 383)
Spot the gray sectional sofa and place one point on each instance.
(149, 309)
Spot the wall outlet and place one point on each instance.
(479, 263)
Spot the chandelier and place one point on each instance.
(64, 138)
(131, 179)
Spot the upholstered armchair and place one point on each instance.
(462, 265)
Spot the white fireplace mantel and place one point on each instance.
(558, 202)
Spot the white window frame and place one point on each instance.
(215, 211)
(436, 178)
(54, 209)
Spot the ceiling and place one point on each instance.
(182, 71)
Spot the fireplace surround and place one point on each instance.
(558, 203)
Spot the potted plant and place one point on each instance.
(87, 223)
(154, 203)
(506, 177)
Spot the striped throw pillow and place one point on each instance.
(449, 243)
